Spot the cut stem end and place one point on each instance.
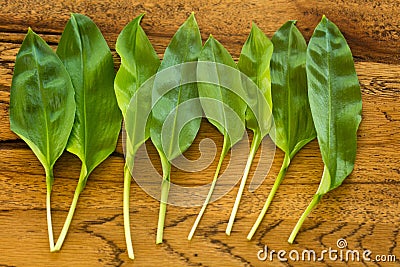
(311, 206)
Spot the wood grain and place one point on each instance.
(364, 211)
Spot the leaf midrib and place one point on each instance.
(259, 73)
(220, 90)
(289, 110)
(34, 52)
(171, 144)
(83, 91)
(328, 55)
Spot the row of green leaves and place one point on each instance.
(66, 100)
(314, 83)
(310, 85)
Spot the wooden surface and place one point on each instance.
(364, 211)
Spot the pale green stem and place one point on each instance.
(271, 195)
(255, 143)
(127, 226)
(210, 192)
(49, 183)
(68, 220)
(311, 206)
(323, 188)
(165, 185)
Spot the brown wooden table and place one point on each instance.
(364, 211)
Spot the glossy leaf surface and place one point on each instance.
(335, 100)
(139, 62)
(291, 110)
(42, 106)
(254, 62)
(184, 47)
(169, 106)
(294, 126)
(89, 62)
(223, 106)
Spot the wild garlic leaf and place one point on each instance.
(89, 62)
(294, 126)
(335, 100)
(172, 138)
(224, 107)
(254, 62)
(139, 62)
(42, 106)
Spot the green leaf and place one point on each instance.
(291, 110)
(254, 62)
(89, 62)
(173, 138)
(294, 126)
(223, 106)
(139, 62)
(42, 106)
(335, 100)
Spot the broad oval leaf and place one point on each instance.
(42, 105)
(184, 47)
(223, 100)
(291, 109)
(224, 107)
(139, 62)
(294, 126)
(254, 62)
(89, 62)
(335, 99)
(168, 133)
(94, 135)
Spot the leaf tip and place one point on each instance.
(254, 27)
(138, 19)
(192, 16)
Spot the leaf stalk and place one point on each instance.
(225, 149)
(68, 220)
(255, 143)
(49, 183)
(126, 202)
(314, 202)
(271, 195)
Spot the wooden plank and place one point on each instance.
(364, 211)
(373, 23)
